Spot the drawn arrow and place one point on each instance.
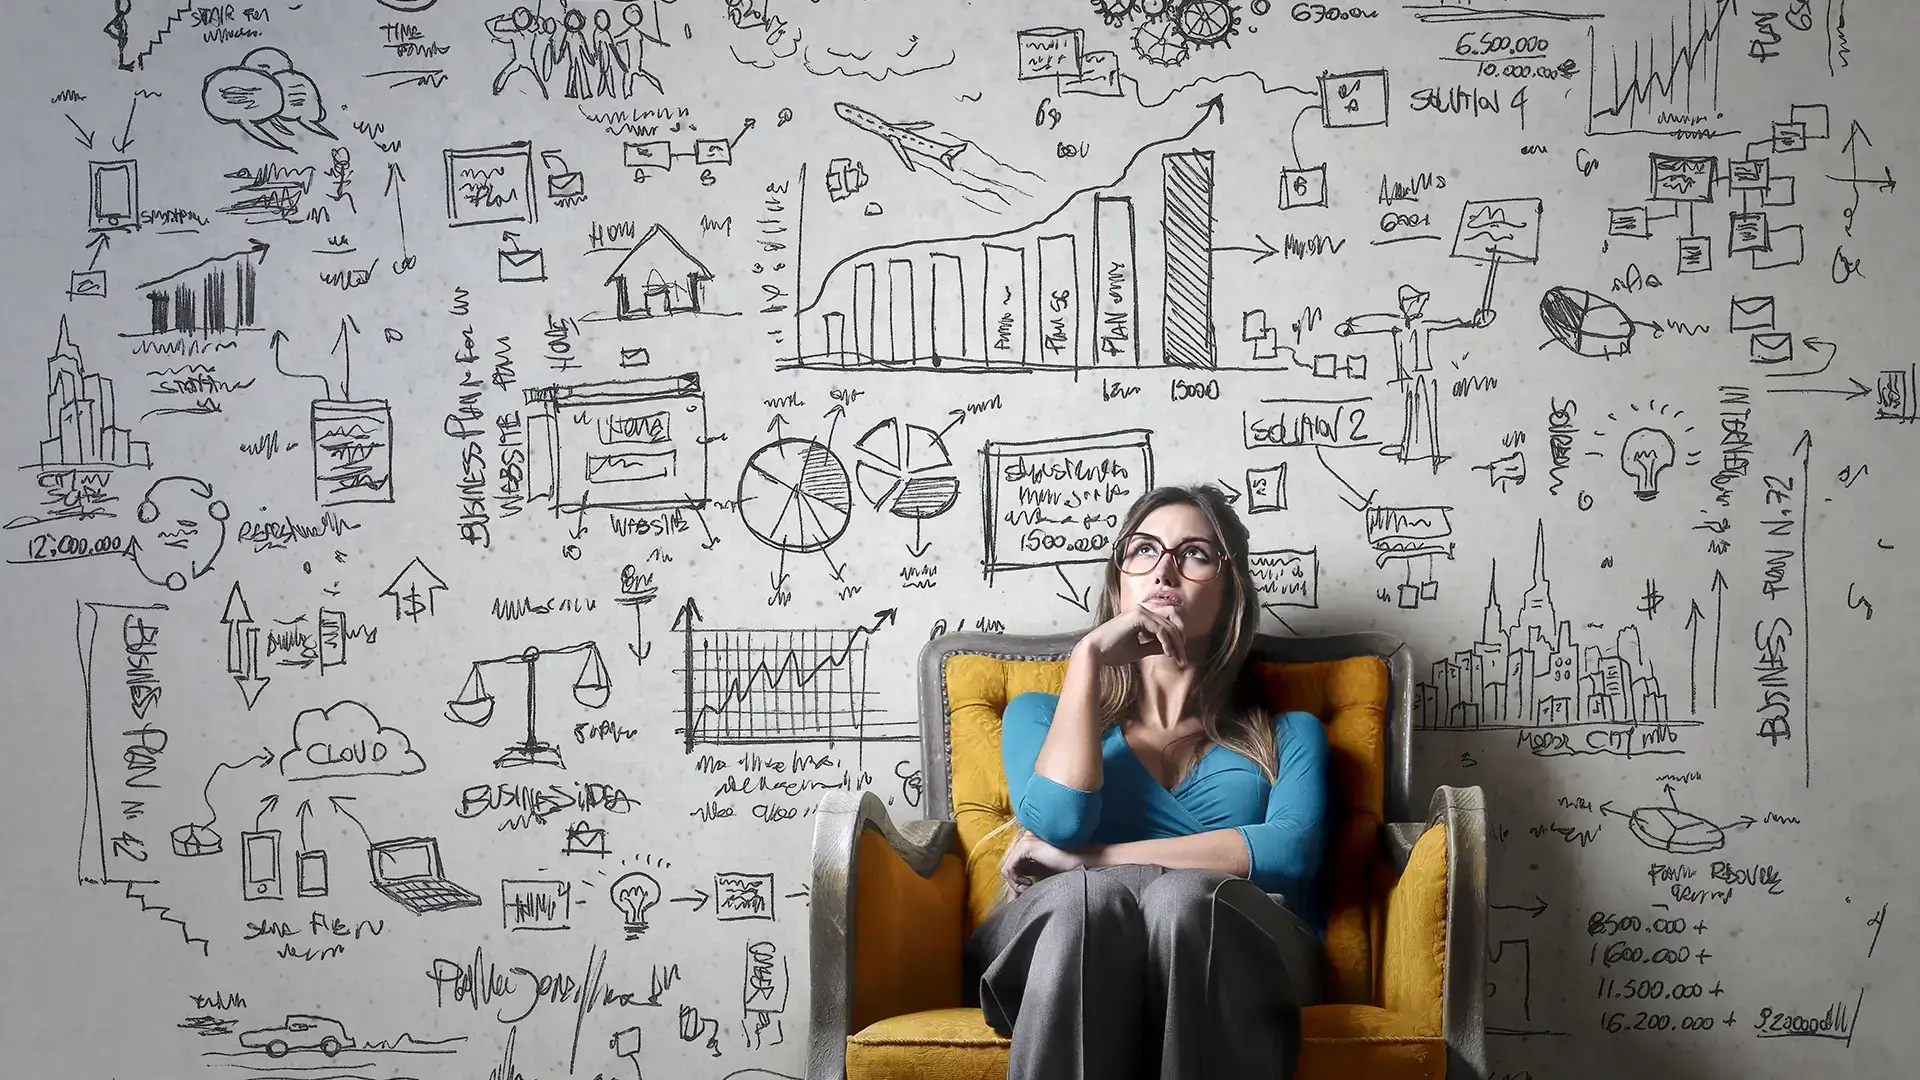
(837, 573)
(688, 614)
(85, 138)
(266, 806)
(1744, 821)
(335, 801)
(698, 899)
(1076, 598)
(343, 347)
(641, 647)
(777, 578)
(303, 812)
(99, 244)
(126, 136)
(407, 587)
(1233, 493)
(1364, 502)
(833, 414)
(1859, 389)
(1855, 131)
(1694, 617)
(1818, 345)
(778, 425)
(959, 417)
(263, 758)
(394, 179)
(1539, 905)
(1217, 101)
(917, 548)
(243, 647)
(1265, 251)
(1719, 589)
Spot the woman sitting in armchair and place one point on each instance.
(1161, 918)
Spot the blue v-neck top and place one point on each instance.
(1283, 825)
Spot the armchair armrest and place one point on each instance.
(915, 883)
(1436, 932)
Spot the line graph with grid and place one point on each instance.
(755, 686)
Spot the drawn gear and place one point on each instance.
(1160, 42)
(1111, 12)
(1152, 9)
(1207, 22)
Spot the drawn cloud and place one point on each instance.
(346, 739)
(834, 37)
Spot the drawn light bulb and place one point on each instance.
(1644, 456)
(635, 894)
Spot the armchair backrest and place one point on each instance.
(1356, 684)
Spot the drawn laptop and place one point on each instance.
(408, 871)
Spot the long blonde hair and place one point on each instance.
(1227, 696)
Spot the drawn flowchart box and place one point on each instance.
(1682, 178)
(1047, 51)
(1287, 577)
(1629, 221)
(1354, 99)
(631, 444)
(742, 896)
(1303, 187)
(1057, 501)
(1267, 489)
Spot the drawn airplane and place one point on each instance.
(902, 136)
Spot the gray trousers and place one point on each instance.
(1137, 972)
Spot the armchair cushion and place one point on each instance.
(957, 1044)
(1413, 962)
(907, 934)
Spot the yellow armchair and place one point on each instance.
(1405, 898)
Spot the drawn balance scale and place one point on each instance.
(475, 706)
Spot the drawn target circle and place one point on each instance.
(1207, 22)
(795, 495)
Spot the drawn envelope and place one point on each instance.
(526, 264)
(566, 185)
(1772, 348)
(1751, 313)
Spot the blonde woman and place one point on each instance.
(1161, 919)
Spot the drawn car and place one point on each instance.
(300, 1032)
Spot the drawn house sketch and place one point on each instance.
(657, 277)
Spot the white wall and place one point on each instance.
(318, 437)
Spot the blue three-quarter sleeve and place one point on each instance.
(1062, 816)
(1283, 851)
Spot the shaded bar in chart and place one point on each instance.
(1059, 301)
(949, 314)
(1005, 314)
(864, 346)
(1116, 284)
(900, 335)
(1187, 232)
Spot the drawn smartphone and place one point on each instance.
(310, 873)
(260, 865)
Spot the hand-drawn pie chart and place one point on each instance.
(904, 469)
(795, 495)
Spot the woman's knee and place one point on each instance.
(1104, 903)
(1182, 899)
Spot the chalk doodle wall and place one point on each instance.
(483, 472)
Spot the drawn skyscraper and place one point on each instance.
(1531, 672)
(80, 415)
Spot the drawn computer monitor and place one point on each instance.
(408, 870)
